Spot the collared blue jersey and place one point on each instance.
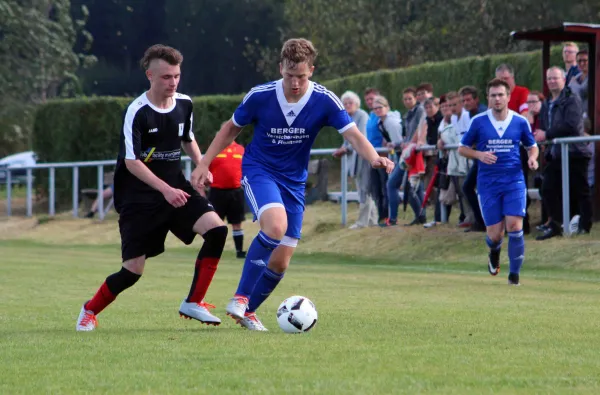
(503, 139)
(284, 132)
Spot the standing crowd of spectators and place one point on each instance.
(440, 121)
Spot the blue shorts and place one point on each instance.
(495, 205)
(263, 191)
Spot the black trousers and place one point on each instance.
(579, 192)
(379, 192)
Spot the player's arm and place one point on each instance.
(468, 140)
(528, 141)
(365, 149)
(132, 133)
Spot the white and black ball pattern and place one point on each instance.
(297, 314)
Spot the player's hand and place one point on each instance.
(176, 197)
(487, 157)
(532, 163)
(383, 163)
(201, 177)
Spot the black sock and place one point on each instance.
(238, 239)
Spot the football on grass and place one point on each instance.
(296, 314)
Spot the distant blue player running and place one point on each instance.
(497, 134)
(287, 116)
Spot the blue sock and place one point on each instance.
(494, 246)
(256, 261)
(263, 288)
(516, 250)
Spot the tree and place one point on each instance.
(36, 61)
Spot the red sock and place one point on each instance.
(204, 273)
(102, 299)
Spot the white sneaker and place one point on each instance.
(236, 307)
(574, 224)
(252, 323)
(198, 311)
(87, 320)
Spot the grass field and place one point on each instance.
(400, 311)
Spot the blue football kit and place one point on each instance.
(274, 167)
(500, 186)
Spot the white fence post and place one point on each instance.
(344, 172)
(564, 152)
(75, 192)
(100, 196)
(29, 202)
(8, 192)
(51, 191)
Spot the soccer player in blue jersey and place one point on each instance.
(287, 115)
(497, 134)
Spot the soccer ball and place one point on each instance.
(296, 314)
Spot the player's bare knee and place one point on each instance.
(135, 265)
(275, 230)
(206, 222)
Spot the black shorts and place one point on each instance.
(144, 226)
(228, 203)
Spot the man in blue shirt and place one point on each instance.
(287, 116)
(497, 134)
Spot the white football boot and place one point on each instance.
(87, 320)
(252, 323)
(198, 311)
(236, 308)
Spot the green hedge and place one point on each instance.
(88, 128)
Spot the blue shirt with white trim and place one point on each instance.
(503, 139)
(284, 132)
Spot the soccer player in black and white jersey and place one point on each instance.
(152, 195)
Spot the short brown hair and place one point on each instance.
(370, 90)
(296, 51)
(159, 51)
(496, 82)
(539, 95)
(425, 86)
(451, 95)
(410, 90)
(468, 90)
(434, 101)
(583, 52)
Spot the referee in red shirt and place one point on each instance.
(226, 193)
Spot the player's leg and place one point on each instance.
(491, 210)
(275, 270)
(198, 217)
(514, 206)
(264, 197)
(143, 230)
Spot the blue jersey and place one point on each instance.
(502, 138)
(284, 132)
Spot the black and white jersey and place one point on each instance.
(153, 135)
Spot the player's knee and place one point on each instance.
(514, 227)
(216, 237)
(275, 230)
(121, 280)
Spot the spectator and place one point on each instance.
(358, 168)
(561, 116)
(470, 100)
(378, 177)
(456, 164)
(390, 127)
(460, 121)
(423, 92)
(579, 82)
(518, 104)
(106, 194)
(569, 53)
(411, 123)
(534, 104)
(428, 134)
